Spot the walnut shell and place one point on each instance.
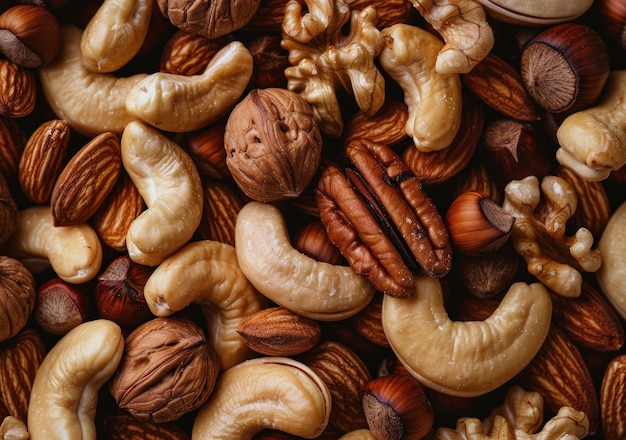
(167, 370)
(273, 144)
(17, 296)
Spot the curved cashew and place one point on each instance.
(464, 27)
(180, 103)
(169, 183)
(206, 273)
(65, 390)
(91, 103)
(115, 34)
(611, 275)
(434, 99)
(291, 279)
(593, 141)
(265, 393)
(466, 358)
(74, 252)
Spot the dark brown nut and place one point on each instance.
(17, 297)
(270, 61)
(386, 126)
(12, 142)
(475, 177)
(312, 240)
(368, 322)
(42, 159)
(613, 399)
(61, 306)
(20, 358)
(8, 211)
(18, 89)
(383, 223)
(29, 35)
(219, 212)
(206, 148)
(120, 425)
(188, 53)
(167, 370)
(211, 19)
(273, 144)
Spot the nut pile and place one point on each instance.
(336, 219)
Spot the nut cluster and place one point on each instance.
(312, 218)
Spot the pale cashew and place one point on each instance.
(433, 98)
(264, 393)
(466, 358)
(91, 103)
(64, 396)
(180, 103)
(593, 141)
(206, 273)
(611, 275)
(169, 183)
(74, 252)
(291, 279)
(115, 34)
(359, 434)
(304, 27)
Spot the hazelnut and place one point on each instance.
(273, 144)
(61, 306)
(312, 240)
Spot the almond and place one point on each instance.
(279, 332)
(221, 205)
(86, 180)
(386, 126)
(18, 89)
(368, 322)
(500, 86)
(613, 399)
(12, 141)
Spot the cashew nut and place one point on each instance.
(593, 141)
(466, 358)
(433, 98)
(206, 273)
(291, 279)
(64, 396)
(91, 103)
(74, 252)
(115, 34)
(611, 275)
(169, 183)
(180, 103)
(358, 434)
(265, 393)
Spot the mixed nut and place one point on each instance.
(312, 219)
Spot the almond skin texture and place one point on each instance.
(86, 180)
(613, 399)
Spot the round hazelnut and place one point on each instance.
(61, 306)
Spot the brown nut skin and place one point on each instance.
(167, 369)
(273, 144)
(17, 296)
(8, 211)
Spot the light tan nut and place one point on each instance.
(65, 391)
(358, 434)
(464, 28)
(91, 103)
(593, 141)
(170, 186)
(454, 357)
(73, 252)
(214, 281)
(335, 60)
(536, 12)
(18, 90)
(291, 279)
(17, 297)
(269, 392)
(86, 180)
(613, 398)
(611, 275)
(180, 103)
(303, 27)
(539, 233)
(114, 34)
(434, 99)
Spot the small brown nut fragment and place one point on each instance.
(211, 19)
(368, 322)
(273, 144)
(381, 220)
(613, 399)
(42, 159)
(167, 369)
(61, 306)
(121, 425)
(8, 211)
(206, 148)
(86, 180)
(186, 53)
(18, 89)
(17, 297)
(279, 332)
(312, 240)
(12, 142)
(221, 206)
(29, 35)
(385, 126)
(20, 358)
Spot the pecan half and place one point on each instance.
(380, 219)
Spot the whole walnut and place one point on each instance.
(167, 370)
(17, 296)
(273, 144)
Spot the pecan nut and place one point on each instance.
(381, 220)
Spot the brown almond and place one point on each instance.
(279, 332)
(18, 89)
(500, 86)
(12, 142)
(42, 159)
(221, 206)
(368, 322)
(613, 399)
(387, 125)
(86, 180)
